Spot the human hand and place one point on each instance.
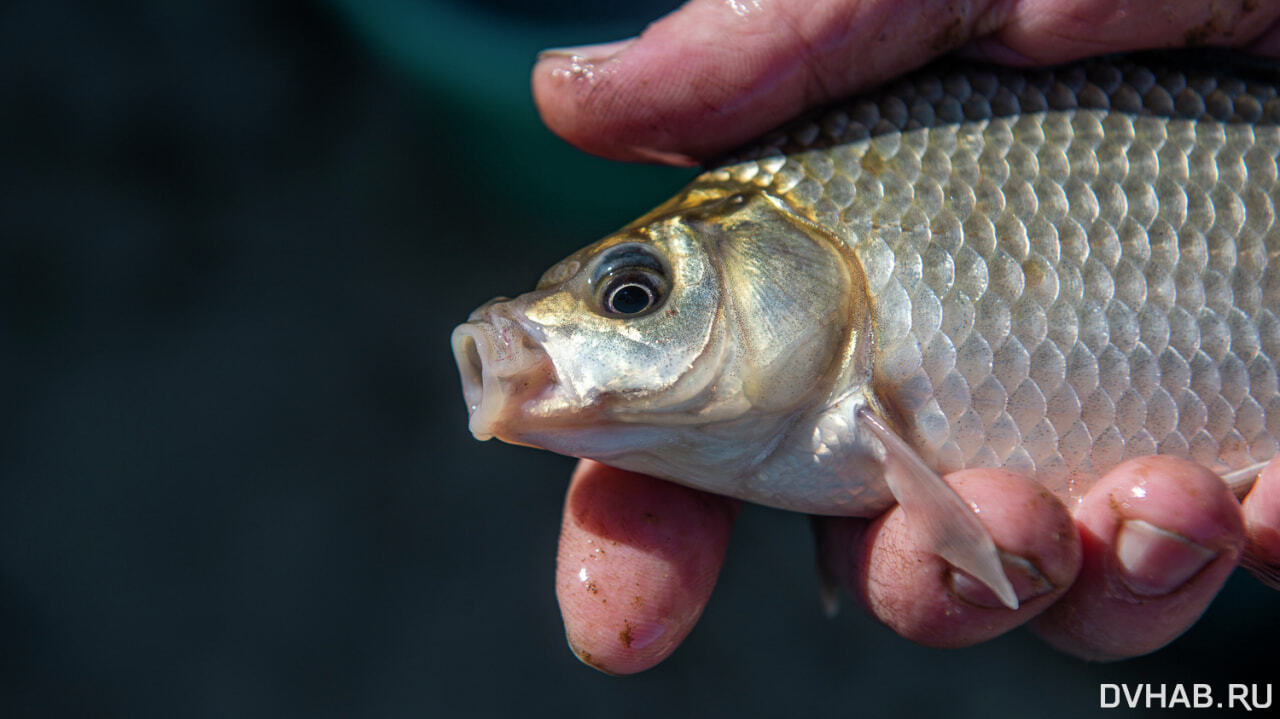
(1145, 553)
(717, 73)
(1148, 547)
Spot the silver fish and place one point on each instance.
(1044, 270)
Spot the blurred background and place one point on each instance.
(235, 476)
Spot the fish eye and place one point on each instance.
(630, 281)
(630, 293)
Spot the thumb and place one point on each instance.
(716, 73)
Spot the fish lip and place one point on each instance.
(502, 365)
(466, 340)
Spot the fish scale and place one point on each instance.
(1068, 268)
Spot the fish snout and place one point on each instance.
(502, 366)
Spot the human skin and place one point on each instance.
(1148, 547)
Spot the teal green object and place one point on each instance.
(472, 65)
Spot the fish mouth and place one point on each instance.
(470, 366)
(503, 368)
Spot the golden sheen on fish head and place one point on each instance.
(681, 346)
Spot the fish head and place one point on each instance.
(683, 345)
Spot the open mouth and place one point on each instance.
(501, 367)
(470, 367)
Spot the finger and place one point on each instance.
(917, 594)
(1043, 32)
(1262, 524)
(637, 561)
(713, 74)
(1160, 537)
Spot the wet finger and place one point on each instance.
(638, 559)
(905, 585)
(1044, 32)
(1160, 537)
(713, 74)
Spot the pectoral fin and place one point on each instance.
(831, 576)
(1268, 574)
(952, 528)
(1241, 480)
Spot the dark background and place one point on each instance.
(235, 476)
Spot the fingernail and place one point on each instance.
(587, 53)
(664, 157)
(1153, 561)
(1028, 583)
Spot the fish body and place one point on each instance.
(1045, 270)
(1068, 268)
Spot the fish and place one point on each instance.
(1049, 270)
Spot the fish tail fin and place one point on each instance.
(952, 526)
